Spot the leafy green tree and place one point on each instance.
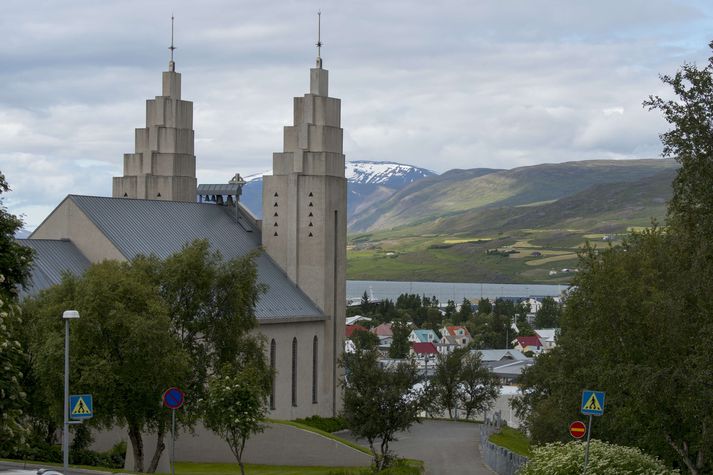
(400, 345)
(478, 388)
(235, 406)
(465, 312)
(548, 316)
(379, 402)
(451, 312)
(485, 307)
(15, 263)
(461, 381)
(364, 340)
(604, 459)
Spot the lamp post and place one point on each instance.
(67, 316)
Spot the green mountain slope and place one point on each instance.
(511, 241)
(465, 190)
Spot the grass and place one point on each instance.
(192, 468)
(324, 434)
(513, 440)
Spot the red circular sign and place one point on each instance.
(173, 398)
(577, 429)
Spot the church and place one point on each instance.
(301, 240)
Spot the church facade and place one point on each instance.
(301, 241)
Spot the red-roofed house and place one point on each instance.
(528, 343)
(383, 330)
(422, 350)
(456, 334)
(352, 328)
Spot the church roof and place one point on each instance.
(52, 258)
(162, 228)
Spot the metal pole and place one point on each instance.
(586, 450)
(173, 442)
(65, 437)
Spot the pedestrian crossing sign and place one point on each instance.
(592, 403)
(81, 406)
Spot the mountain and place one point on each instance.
(470, 192)
(367, 183)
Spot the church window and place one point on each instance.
(314, 370)
(158, 195)
(275, 233)
(275, 204)
(310, 234)
(310, 194)
(275, 225)
(294, 372)
(273, 351)
(310, 214)
(125, 195)
(310, 204)
(275, 194)
(275, 215)
(310, 224)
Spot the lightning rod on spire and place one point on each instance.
(171, 64)
(319, 39)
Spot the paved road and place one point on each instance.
(448, 448)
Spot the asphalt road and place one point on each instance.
(446, 447)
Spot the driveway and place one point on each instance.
(446, 447)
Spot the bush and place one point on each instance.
(604, 459)
(327, 424)
(43, 452)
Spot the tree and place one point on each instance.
(15, 261)
(484, 306)
(400, 345)
(195, 310)
(548, 316)
(123, 351)
(465, 312)
(478, 388)
(379, 402)
(236, 404)
(451, 312)
(364, 340)
(461, 381)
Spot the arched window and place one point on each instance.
(294, 371)
(273, 350)
(314, 369)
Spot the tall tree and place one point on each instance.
(400, 345)
(548, 316)
(379, 402)
(15, 263)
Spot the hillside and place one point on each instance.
(458, 191)
(511, 242)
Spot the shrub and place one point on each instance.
(327, 424)
(604, 459)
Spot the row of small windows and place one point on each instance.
(294, 375)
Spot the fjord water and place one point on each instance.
(444, 291)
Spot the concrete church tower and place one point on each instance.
(163, 165)
(304, 212)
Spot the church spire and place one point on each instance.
(171, 64)
(319, 39)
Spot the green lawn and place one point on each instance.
(190, 468)
(513, 440)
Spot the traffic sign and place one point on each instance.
(577, 429)
(592, 403)
(173, 398)
(81, 406)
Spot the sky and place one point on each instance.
(440, 85)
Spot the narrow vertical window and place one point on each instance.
(314, 370)
(294, 371)
(272, 368)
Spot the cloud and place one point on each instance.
(453, 84)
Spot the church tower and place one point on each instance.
(304, 213)
(163, 165)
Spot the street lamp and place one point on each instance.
(67, 316)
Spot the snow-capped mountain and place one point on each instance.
(367, 182)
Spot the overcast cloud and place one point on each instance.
(442, 85)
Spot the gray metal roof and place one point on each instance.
(500, 355)
(162, 228)
(53, 257)
(216, 189)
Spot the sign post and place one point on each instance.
(592, 405)
(173, 398)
